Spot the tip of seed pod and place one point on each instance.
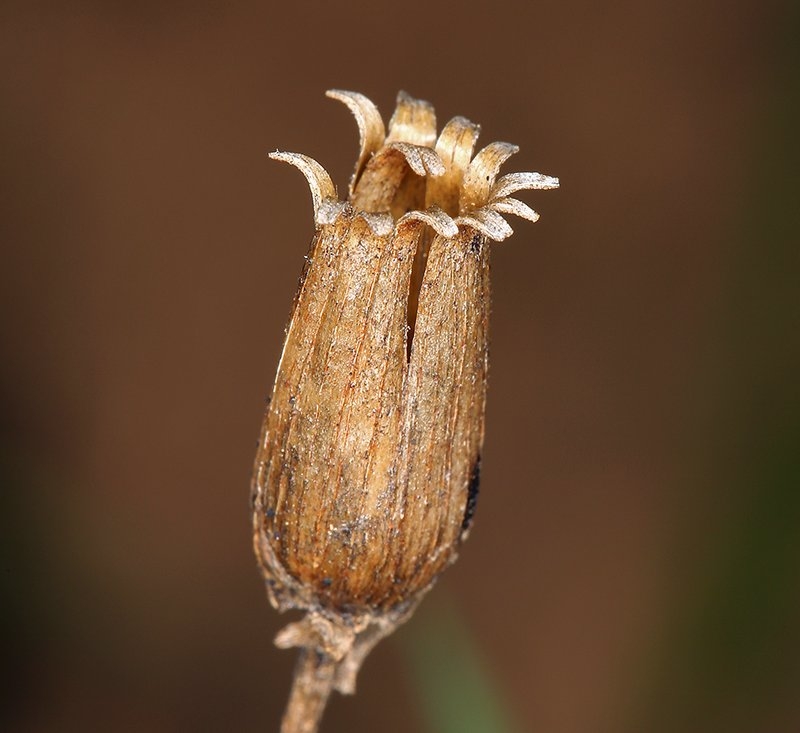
(457, 184)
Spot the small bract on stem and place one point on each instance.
(366, 474)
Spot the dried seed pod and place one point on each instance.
(367, 468)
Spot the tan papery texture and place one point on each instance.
(367, 468)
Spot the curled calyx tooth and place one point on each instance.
(499, 198)
(516, 207)
(481, 174)
(371, 131)
(320, 183)
(454, 147)
(513, 182)
(488, 222)
(421, 160)
(441, 222)
(413, 121)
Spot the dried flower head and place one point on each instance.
(367, 468)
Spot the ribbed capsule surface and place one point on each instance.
(367, 467)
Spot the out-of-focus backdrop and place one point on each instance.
(635, 560)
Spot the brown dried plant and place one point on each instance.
(367, 469)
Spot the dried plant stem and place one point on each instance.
(313, 682)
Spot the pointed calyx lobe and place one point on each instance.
(371, 441)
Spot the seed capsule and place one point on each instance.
(367, 468)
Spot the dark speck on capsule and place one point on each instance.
(472, 494)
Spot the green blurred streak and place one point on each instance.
(448, 676)
(27, 624)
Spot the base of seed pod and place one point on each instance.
(332, 650)
(343, 637)
(344, 640)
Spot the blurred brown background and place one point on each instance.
(635, 560)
